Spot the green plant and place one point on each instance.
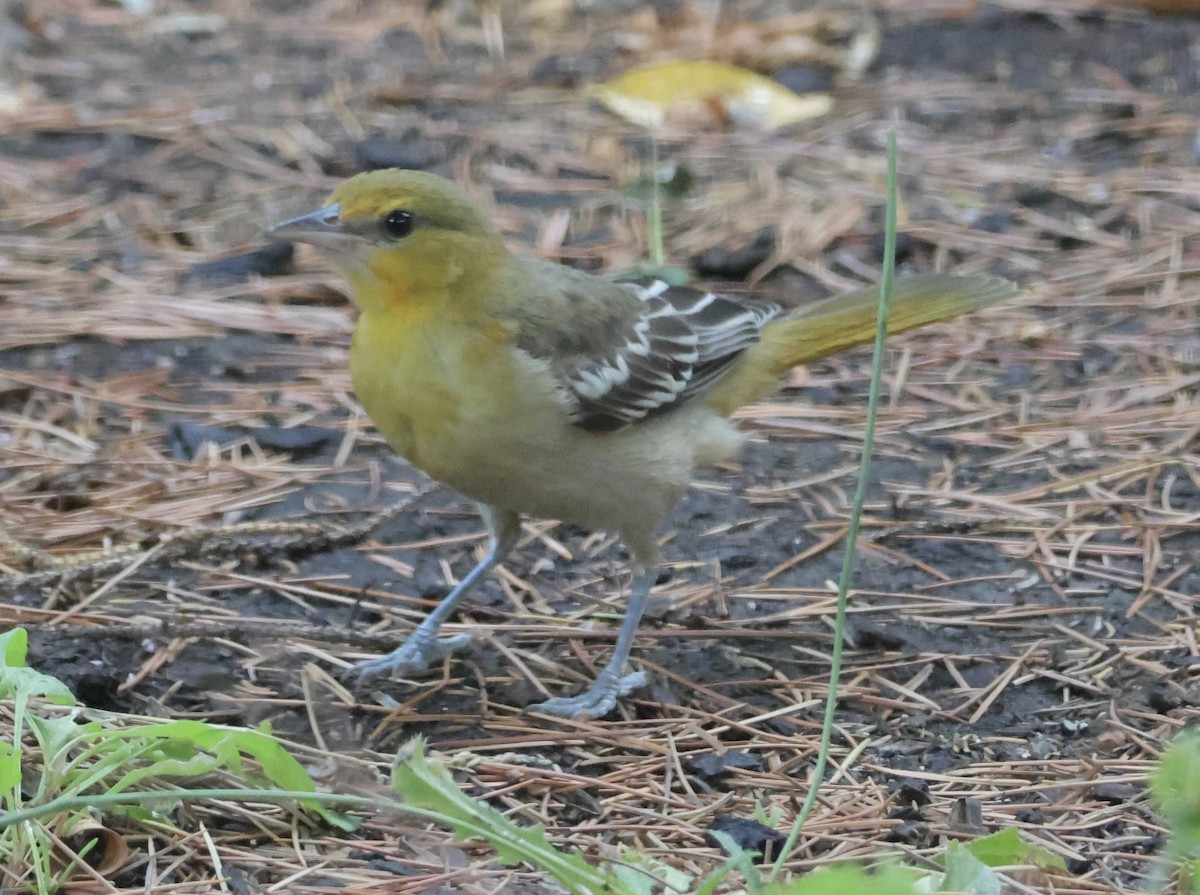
(60, 769)
(1175, 787)
(60, 766)
(427, 788)
(651, 191)
(856, 506)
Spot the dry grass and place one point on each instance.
(1025, 627)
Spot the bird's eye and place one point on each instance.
(398, 224)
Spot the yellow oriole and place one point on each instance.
(535, 388)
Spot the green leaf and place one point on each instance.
(59, 735)
(842, 879)
(425, 783)
(64, 768)
(640, 874)
(18, 679)
(177, 753)
(28, 682)
(10, 775)
(161, 760)
(740, 858)
(1006, 849)
(14, 646)
(1175, 788)
(967, 873)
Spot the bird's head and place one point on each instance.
(404, 238)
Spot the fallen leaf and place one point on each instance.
(701, 93)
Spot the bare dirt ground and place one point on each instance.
(1023, 617)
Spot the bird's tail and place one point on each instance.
(843, 321)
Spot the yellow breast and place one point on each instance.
(451, 398)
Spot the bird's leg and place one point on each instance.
(612, 682)
(423, 647)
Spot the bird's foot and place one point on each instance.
(414, 655)
(596, 702)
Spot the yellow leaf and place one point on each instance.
(699, 93)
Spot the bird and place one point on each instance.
(538, 389)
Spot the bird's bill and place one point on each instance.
(322, 227)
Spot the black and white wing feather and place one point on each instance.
(679, 341)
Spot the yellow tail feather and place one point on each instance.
(843, 321)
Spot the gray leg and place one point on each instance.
(423, 647)
(612, 682)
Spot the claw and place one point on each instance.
(423, 647)
(412, 657)
(596, 702)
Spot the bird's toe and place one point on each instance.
(411, 657)
(597, 702)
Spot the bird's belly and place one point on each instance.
(624, 481)
(489, 426)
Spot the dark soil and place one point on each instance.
(1021, 627)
